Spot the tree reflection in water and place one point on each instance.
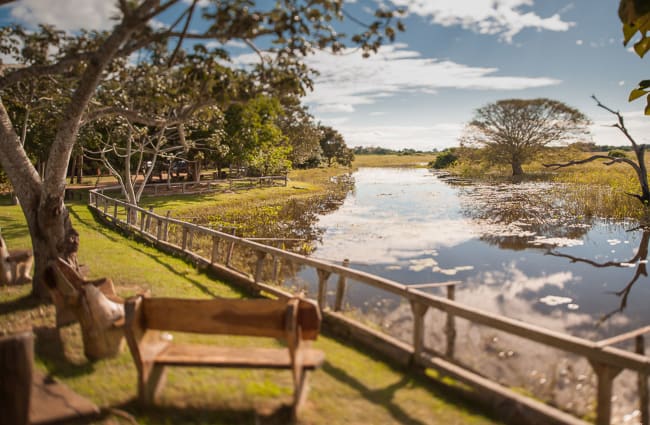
(640, 259)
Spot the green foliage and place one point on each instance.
(616, 154)
(635, 17)
(334, 148)
(445, 159)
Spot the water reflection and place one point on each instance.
(410, 226)
(639, 262)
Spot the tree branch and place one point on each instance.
(611, 161)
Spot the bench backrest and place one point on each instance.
(245, 317)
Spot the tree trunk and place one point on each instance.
(643, 175)
(517, 169)
(80, 171)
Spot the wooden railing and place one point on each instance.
(206, 186)
(215, 249)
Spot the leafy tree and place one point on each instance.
(253, 137)
(513, 131)
(294, 28)
(334, 148)
(303, 133)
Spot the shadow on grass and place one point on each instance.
(24, 303)
(48, 347)
(158, 258)
(179, 415)
(382, 396)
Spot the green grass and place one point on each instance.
(416, 160)
(353, 386)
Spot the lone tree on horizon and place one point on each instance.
(513, 131)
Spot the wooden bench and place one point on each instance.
(295, 321)
(15, 265)
(93, 303)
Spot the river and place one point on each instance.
(513, 250)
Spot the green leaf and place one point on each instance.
(635, 94)
(647, 107)
(644, 84)
(642, 46)
(628, 33)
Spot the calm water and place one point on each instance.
(513, 249)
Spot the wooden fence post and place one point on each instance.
(259, 267)
(114, 211)
(215, 249)
(143, 218)
(322, 288)
(419, 311)
(450, 325)
(184, 240)
(606, 375)
(16, 366)
(231, 248)
(643, 384)
(276, 263)
(341, 288)
(147, 226)
(166, 229)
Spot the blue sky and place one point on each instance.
(454, 57)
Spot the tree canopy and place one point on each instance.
(289, 30)
(513, 131)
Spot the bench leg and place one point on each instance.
(151, 383)
(300, 390)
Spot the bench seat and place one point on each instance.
(294, 321)
(235, 357)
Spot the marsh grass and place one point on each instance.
(413, 160)
(592, 189)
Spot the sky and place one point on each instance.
(454, 57)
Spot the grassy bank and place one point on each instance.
(591, 190)
(415, 160)
(353, 387)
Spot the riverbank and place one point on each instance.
(353, 387)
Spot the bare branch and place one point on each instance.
(611, 161)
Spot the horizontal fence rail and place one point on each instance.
(215, 248)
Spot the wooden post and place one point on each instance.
(231, 248)
(16, 365)
(259, 267)
(190, 240)
(419, 310)
(643, 384)
(147, 226)
(215, 249)
(450, 325)
(322, 288)
(142, 221)
(230, 184)
(114, 211)
(184, 241)
(105, 205)
(166, 229)
(606, 375)
(128, 215)
(341, 288)
(286, 179)
(159, 229)
(276, 264)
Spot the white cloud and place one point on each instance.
(347, 81)
(579, 42)
(505, 18)
(69, 15)
(399, 136)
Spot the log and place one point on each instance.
(16, 360)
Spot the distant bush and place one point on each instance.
(444, 159)
(616, 154)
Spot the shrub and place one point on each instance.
(445, 159)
